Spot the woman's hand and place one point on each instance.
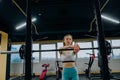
(76, 48)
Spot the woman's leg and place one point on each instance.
(65, 74)
(74, 74)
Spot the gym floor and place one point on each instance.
(82, 77)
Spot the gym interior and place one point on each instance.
(31, 33)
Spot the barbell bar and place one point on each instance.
(8, 52)
(22, 49)
(15, 52)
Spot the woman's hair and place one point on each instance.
(66, 36)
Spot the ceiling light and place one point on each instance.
(110, 19)
(24, 24)
(39, 14)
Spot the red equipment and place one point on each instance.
(44, 72)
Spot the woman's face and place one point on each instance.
(68, 40)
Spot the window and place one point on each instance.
(116, 52)
(96, 46)
(96, 43)
(35, 55)
(15, 58)
(59, 44)
(116, 43)
(83, 53)
(96, 52)
(49, 54)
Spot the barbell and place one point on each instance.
(16, 52)
(22, 50)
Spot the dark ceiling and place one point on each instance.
(56, 18)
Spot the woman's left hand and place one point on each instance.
(76, 48)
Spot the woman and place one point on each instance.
(68, 58)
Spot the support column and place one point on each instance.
(101, 42)
(28, 43)
(3, 57)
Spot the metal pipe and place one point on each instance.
(91, 23)
(16, 52)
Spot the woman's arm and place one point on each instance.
(65, 47)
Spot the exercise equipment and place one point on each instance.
(101, 70)
(22, 56)
(29, 42)
(22, 50)
(22, 53)
(91, 60)
(42, 76)
(108, 47)
(58, 70)
(101, 41)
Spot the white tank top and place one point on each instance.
(68, 55)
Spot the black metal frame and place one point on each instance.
(58, 70)
(28, 43)
(101, 42)
(88, 70)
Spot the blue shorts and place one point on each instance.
(70, 74)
